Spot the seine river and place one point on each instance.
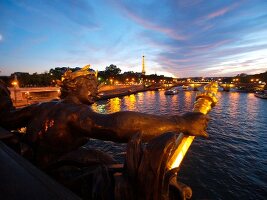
(232, 163)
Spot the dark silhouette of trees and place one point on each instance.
(111, 75)
(112, 70)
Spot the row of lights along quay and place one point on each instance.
(128, 79)
(112, 76)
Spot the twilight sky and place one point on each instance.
(183, 38)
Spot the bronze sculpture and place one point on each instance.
(56, 128)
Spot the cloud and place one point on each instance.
(147, 23)
(211, 46)
(221, 11)
(79, 12)
(210, 59)
(185, 38)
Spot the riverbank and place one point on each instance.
(108, 92)
(105, 92)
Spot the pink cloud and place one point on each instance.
(149, 25)
(221, 12)
(202, 20)
(211, 46)
(218, 13)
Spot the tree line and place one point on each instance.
(111, 75)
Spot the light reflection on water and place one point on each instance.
(232, 163)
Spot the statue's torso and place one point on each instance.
(50, 129)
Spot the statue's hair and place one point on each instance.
(70, 81)
(70, 86)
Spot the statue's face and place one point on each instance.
(87, 90)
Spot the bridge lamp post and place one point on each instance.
(27, 95)
(15, 84)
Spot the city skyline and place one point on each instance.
(177, 38)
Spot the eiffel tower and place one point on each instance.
(143, 66)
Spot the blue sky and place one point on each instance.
(181, 38)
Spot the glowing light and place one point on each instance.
(115, 104)
(204, 102)
(15, 83)
(185, 142)
(130, 102)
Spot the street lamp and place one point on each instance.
(15, 84)
(27, 95)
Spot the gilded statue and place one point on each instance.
(56, 128)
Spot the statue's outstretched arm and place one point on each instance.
(121, 126)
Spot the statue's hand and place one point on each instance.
(195, 124)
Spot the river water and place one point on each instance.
(232, 163)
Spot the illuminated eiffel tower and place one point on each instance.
(143, 66)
